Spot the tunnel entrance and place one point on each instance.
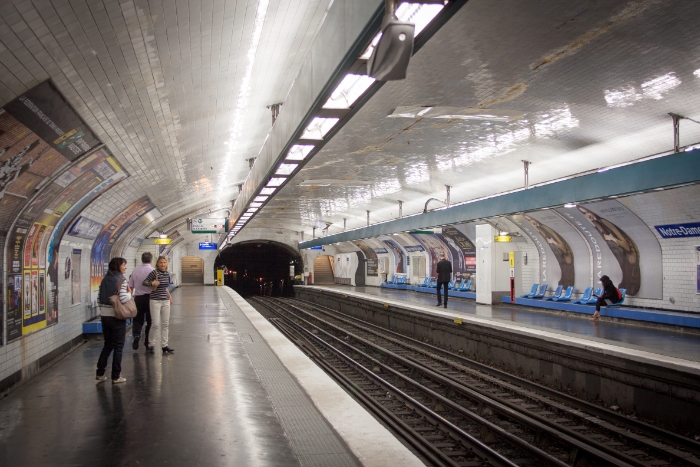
(259, 268)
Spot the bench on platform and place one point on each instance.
(615, 311)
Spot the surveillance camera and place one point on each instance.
(390, 57)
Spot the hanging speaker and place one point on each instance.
(390, 57)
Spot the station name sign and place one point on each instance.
(209, 226)
(679, 230)
(414, 248)
(207, 246)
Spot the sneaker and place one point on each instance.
(167, 349)
(119, 381)
(135, 345)
(100, 378)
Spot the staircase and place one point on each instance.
(323, 273)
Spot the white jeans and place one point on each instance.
(160, 311)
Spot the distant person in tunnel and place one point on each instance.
(114, 329)
(142, 297)
(608, 297)
(444, 272)
(159, 280)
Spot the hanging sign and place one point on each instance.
(209, 226)
(207, 246)
(162, 241)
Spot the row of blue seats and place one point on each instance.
(589, 297)
(464, 285)
(398, 279)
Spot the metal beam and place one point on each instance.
(663, 172)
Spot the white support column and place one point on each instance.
(485, 263)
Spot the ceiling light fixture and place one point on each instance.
(276, 181)
(319, 127)
(255, 205)
(348, 91)
(570, 205)
(298, 152)
(267, 190)
(260, 199)
(286, 169)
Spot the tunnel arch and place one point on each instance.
(260, 267)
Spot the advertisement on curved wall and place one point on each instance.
(630, 253)
(102, 247)
(550, 271)
(371, 259)
(32, 256)
(568, 247)
(435, 248)
(466, 251)
(399, 256)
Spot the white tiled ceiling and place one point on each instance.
(595, 81)
(176, 89)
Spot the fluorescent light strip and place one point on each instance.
(298, 152)
(276, 181)
(319, 127)
(255, 205)
(260, 199)
(286, 169)
(348, 91)
(267, 190)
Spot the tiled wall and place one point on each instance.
(679, 258)
(24, 353)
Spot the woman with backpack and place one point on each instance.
(609, 296)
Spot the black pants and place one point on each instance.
(115, 334)
(602, 301)
(445, 285)
(143, 311)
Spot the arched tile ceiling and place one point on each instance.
(177, 90)
(594, 82)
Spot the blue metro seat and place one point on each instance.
(533, 291)
(451, 285)
(433, 283)
(557, 293)
(567, 295)
(425, 283)
(540, 294)
(466, 286)
(624, 294)
(586, 296)
(594, 297)
(402, 279)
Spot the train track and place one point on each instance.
(458, 412)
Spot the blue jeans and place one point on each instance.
(114, 331)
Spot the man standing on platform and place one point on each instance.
(142, 297)
(444, 272)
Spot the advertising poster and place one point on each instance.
(697, 267)
(460, 243)
(550, 272)
(14, 307)
(39, 134)
(435, 247)
(372, 261)
(75, 276)
(102, 247)
(568, 247)
(33, 243)
(632, 243)
(85, 228)
(399, 256)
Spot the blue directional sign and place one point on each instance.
(207, 246)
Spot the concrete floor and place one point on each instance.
(202, 406)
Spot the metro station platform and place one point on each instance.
(640, 336)
(235, 392)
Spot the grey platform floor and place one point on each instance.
(657, 340)
(222, 399)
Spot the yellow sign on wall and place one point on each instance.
(502, 238)
(161, 241)
(511, 258)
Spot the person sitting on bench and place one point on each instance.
(608, 297)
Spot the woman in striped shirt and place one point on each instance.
(159, 280)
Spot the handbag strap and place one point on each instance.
(119, 286)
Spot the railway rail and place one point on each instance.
(458, 412)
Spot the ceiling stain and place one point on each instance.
(632, 10)
(389, 139)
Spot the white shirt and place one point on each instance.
(137, 277)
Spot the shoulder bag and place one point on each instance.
(123, 310)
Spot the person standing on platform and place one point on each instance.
(608, 297)
(444, 272)
(114, 329)
(159, 280)
(142, 297)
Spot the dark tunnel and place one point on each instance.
(259, 268)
